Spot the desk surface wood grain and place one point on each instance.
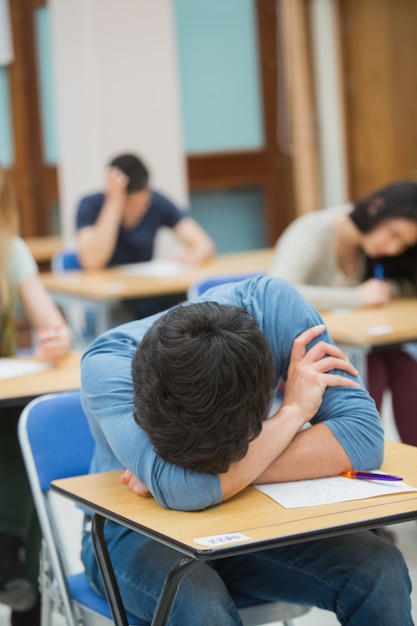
(114, 283)
(63, 377)
(250, 512)
(394, 322)
(44, 248)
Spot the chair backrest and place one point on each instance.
(56, 442)
(65, 260)
(56, 429)
(200, 286)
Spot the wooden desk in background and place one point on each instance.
(263, 522)
(44, 248)
(104, 289)
(360, 330)
(63, 377)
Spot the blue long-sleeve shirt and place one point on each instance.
(107, 395)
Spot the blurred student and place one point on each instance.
(119, 226)
(19, 529)
(362, 254)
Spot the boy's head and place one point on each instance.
(134, 169)
(203, 381)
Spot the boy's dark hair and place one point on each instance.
(203, 383)
(134, 169)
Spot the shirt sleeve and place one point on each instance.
(298, 257)
(350, 413)
(107, 395)
(283, 314)
(169, 213)
(22, 263)
(88, 210)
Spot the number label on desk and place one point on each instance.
(382, 329)
(217, 540)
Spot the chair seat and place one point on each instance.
(253, 610)
(82, 593)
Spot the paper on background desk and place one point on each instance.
(9, 368)
(158, 268)
(300, 493)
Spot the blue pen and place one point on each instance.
(369, 475)
(379, 271)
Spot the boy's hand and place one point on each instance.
(308, 374)
(134, 484)
(116, 184)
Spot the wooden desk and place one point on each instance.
(63, 377)
(394, 322)
(359, 330)
(265, 522)
(102, 290)
(44, 248)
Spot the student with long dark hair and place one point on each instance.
(362, 254)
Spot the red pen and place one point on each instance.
(369, 475)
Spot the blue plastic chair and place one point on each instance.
(65, 260)
(56, 442)
(200, 286)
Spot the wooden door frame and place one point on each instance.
(267, 168)
(35, 181)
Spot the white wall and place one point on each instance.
(117, 90)
(328, 89)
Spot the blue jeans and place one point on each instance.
(361, 577)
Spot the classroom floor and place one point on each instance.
(405, 537)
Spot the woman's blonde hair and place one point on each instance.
(9, 224)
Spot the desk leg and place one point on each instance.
(106, 570)
(172, 582)
(176, 575)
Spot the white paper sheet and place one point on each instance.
(158, 268)
(10, 368)
(329, 490)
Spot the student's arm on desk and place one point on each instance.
(53, 334)
(303, 458)
(300, 460)
(309, 376)
(199, 247)
(346, 432)
(281, 452)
